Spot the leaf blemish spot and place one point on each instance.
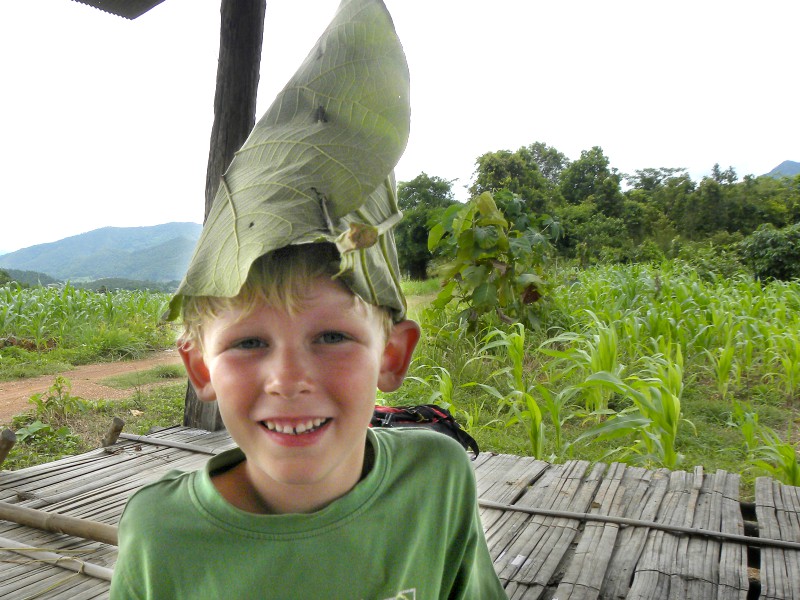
(251, 224)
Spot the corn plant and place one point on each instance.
(440, 382)
(785, 359)
(68, 317)
(588, 354)
(723, 363)
(655, 415)
(515, 391)
(765, 448)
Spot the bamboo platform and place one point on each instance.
(569, 531)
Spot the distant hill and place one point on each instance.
(31, 278)
(159, 253)
(787, 168)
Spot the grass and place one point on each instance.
(58, 432)
(142, 378)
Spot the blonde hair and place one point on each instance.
(280, 278)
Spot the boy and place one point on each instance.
(313, 503)
(293, 318)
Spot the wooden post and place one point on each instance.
(113, 432)
(7, 440)
(240, 45)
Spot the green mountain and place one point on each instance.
(156, 253)
(31, 278)
(787, 168)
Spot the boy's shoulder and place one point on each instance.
(172, 488)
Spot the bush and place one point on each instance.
(496, 266)
(709, 260)
(773, 253)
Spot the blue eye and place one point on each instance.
(250, 344)
(332, 337)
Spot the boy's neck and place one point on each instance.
(241, 489)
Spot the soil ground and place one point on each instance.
(86, 382)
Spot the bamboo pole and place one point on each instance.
(57, 523)
(59, 560)
(596, 517)
(147, 439)
(7, 440)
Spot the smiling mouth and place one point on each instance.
(296, 428)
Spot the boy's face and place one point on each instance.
(297, 392)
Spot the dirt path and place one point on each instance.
(85, 382)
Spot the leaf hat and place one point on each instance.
(318, 167)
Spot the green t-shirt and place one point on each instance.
(409, 530)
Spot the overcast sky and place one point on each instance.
(106, 121)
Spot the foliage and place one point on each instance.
(495, 266)
(530, 172)
(591, 236)
(676, 348)
(42, 441)
(137, 379)
(773, 253)
(57, 404)
(716, 257)
(765, 448)
(422, 200)
(591, 178)
(655, 412)
(516, 388)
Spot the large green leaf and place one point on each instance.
(318, 166)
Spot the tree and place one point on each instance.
(421, 200)
(550, 161)
(727, 176)
(241, 41)
(584, 177)
(650, 180)
(519, 173)
(4, 277)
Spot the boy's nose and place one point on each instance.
(287, 373)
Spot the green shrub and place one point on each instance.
(773, 253)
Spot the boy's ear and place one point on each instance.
(197, 370)
(397, 355)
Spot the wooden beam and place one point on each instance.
(7, 440)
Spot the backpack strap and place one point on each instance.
(430, 416)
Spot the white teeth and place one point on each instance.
(309, 425)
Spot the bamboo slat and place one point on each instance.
(535, 553)
(777, 508)
(583, 578)
(643, 494)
